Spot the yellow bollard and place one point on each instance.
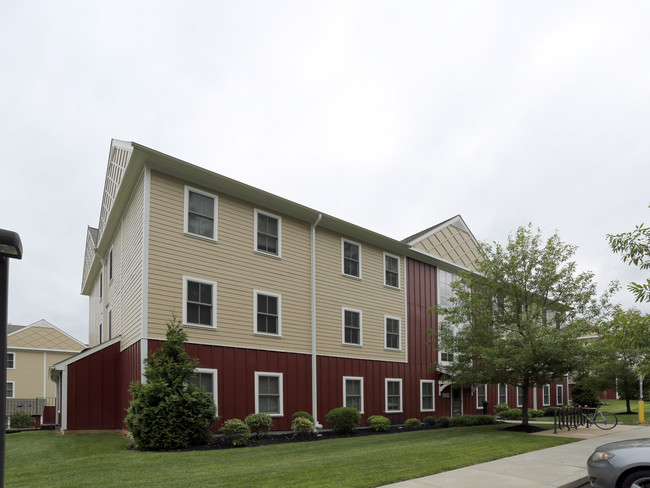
(641, 413)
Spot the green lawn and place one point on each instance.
(618, 407)
(44, 458)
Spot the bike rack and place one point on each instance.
(570, 417)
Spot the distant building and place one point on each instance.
(31, 350)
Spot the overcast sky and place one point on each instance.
(394, 116)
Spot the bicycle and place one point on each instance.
(603, 420)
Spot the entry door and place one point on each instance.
(456, 401)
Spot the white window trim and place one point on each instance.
(215, 220)
(111, 265)
(215, 384)
(214, 302)
(13, 389)
(433, 395)
(519, 404)
(399, 271)
(499, 392)
(346, 309)
(559, 388)
(13, 355)
(101, 285)
(485, 386)
(546, 388)
(279, 219)
(343, 241)
(279, 297)
(101, 332)
(110, 324)
(259, 374)
(359, 378)
(401, 396)
(399, 333)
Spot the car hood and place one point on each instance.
(629, 444)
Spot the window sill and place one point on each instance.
(393, 411)
(395, 288)
(427, 410)
(268, 254)
(357, 278)
(390, 349)
(262, 334)
(351, 345)
(201, 238)
(199, 326)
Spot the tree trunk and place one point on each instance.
(525, 386)
(627, 404)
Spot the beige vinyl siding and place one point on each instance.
(31, 375)
(131, 250)
(452, 244)
(334, 291)
(233, 264)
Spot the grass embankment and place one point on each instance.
(44, 458)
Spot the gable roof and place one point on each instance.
(43, 335)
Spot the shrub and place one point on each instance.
(20, 420)
(378, 423)
(584, 394)
(532, 413)
(168, 412)
(302, 426)
(412, 424)
(259, 423)
(550, 411)
(236, 432)
(302, 414)
(467, 420)
(444, 422)
(501, 407)
(511, 414)
(430, 421)
(344, 419)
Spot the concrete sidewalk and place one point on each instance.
(561, 466)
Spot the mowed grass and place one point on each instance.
(44, 458)
(618, 407)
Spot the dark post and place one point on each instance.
(10, 247)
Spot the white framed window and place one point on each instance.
(101, 333)
(392, 332)
(393, 395)
(268, 313)
(391, 270)
(110, 265)
(352, 327)
(559, 394)
(101, 285)
(206, 380)
(110, 325)
(268, 233)
(199, 302)
(520, 396)
(201, 210)
(427, 395)
(546, 395)
(503, 393)
(445, 293)
(11, 389)
(11, 360)
(353, 392)
(481, 396)
(350, 258)
(269, 394)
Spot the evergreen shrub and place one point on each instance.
(344, 419)
(236, 432)
(378, 423)
(259, 423)
(412, 424)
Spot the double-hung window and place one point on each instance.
(206, 380)
(391, 270)
(11, 360)
(352, 327)
(353, 392)
(427, 396)
(546, 395)
(393, 395)
(268, 317)
(199, 302)
(10, 389)
(268, 393)
(520, 396)
(559, 392)
(200, 213)
(392, 333)
(351, 253)
(268, 229)
(503, 393)
(445, 294)
(481, 396)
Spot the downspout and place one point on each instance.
(314, 376)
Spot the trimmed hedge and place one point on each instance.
(259, 423)
(430, 421)
(236, 432)
(412, 424)
(344, 419)
(378, 423)
(20, 420)
(511, 414)
(302, 414)
(444, 422)
(469, 420)
(302, 427)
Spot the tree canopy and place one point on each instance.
(519, 318)
(634, 248)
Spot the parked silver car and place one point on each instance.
(623, 464)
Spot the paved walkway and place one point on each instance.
(562, 466)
